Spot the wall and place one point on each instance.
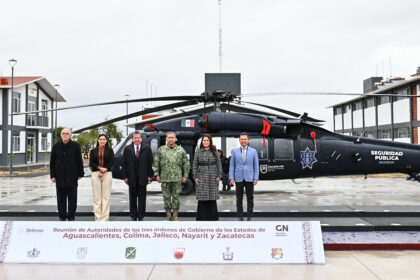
(402, 111)
(370, 117)
(384, 114)
(358, 119)
(347, 120)
(338, 122)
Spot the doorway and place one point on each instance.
(31, 148)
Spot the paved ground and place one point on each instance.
(360, 265)
(327, 191)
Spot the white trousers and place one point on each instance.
(101, 195)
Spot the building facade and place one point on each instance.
(32, 133)
(394, 117)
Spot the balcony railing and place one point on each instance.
(34, 120)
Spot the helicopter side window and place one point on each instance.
(258, 144)
(283, 149)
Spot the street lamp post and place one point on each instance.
(56, 106)
(126, 113)
(12, 63)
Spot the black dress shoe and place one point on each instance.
(241, 218)
(140, 219)
(133, 219)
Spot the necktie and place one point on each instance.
(137, 152)
(243, 154)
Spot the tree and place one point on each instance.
(57, 134)
(86, 140)
(110, 130)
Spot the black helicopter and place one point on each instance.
(288, 147)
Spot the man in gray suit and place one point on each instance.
(244, 172)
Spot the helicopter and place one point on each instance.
(288, 147)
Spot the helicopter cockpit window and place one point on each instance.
(258, 144)
(154, 145)
(121, 146)
(283, 149)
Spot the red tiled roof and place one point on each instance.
(6, 82)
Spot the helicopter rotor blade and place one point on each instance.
(316, 93)
(294, 114)
(163, 98)
(139, 113)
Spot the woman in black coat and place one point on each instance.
(101, 160)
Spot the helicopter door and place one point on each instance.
(284, 164)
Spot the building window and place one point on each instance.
(402, 132)
(44, 106)
(369, 102)
(43, 119)
(337, 111)
(384, 134)
(399, 93)
(44, 142)
(16, 102)
(283, 149)
(383, 100)
(258, 144)
(347, 108)
(16, 142)
(357, 133)
(357, 106)
(370, 134)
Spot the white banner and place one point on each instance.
(161, 242)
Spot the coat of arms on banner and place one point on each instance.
(179, 253)
(277, 253)
(227, 255)
(33, 253)
(130, 253)
(81, 252)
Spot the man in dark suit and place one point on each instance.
(244, 172)
(138, 160)
(66, 168)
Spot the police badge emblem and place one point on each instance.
(307, 158)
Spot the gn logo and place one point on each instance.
(282, 228)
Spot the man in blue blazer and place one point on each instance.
(244, 171)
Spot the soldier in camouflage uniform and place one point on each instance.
(170, 162)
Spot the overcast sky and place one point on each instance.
(102, 50)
